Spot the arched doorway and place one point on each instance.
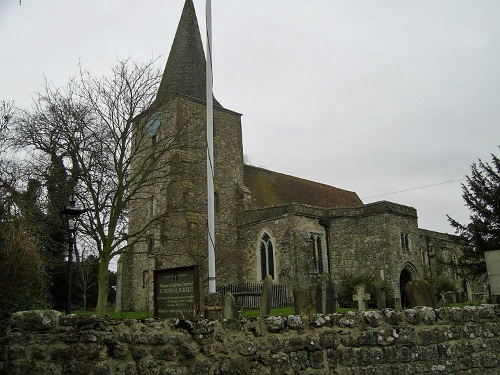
(404, 279)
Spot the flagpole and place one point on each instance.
(210, 154)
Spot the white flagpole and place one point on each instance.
(210, 155)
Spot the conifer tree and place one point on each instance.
(481, 194)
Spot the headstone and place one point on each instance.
(230, 311)
(267, 297)
(301, 301)
(325, 295)
(380, 287)
(312, 295)
(361, 296)
(397, 302)
(213, 306)
(419, 293)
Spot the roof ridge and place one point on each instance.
(299, 178)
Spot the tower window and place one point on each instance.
(151, 207)
(266, 255)
(405, 242)
(151, 243)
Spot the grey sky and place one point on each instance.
(373, 96)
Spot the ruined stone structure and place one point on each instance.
(409, 342)
(266, 222)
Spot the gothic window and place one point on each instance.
(151, 207)
(405, 243)
(266, 256)
(319, 255)
(453, 266)
(423, 256)
(145, 278)
(151, 243)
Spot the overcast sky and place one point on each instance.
(373, 96)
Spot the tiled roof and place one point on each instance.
(185, 71)
(270, 188)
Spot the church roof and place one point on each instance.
(270, 188)
(185, 71)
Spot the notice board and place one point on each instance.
(493, 268)
(177, 293)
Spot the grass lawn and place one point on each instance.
(288, 310)
(111, 313)
(284, 311)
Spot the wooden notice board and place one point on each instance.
(177, 293)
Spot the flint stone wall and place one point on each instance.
(415, 341)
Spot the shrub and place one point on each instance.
(347, 289)
(23, 281)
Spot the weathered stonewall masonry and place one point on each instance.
(413, 341)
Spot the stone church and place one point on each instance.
(267, 223)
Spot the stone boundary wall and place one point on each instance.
(414, 341)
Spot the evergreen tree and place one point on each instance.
(481, 194)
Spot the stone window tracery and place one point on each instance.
(266, 257)
(319, 255)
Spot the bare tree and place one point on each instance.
(95, 130)
(7, 111)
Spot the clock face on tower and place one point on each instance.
(153, 124)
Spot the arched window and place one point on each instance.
(320, 256)
(266, 255)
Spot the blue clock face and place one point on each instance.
(153, 124)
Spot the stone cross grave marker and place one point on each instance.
(380, 286)
(301, 301)
(229, 311)
(267, 297)
(325, 295)
(361, 297)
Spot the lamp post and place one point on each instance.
(69, 215)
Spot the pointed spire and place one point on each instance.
(185, 72)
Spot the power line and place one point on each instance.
(417, 188)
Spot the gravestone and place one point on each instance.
(361, 296)
(380, 288)
(325, 295)
(267, 297)
(397, 302)
(301, 301)
(420, 293)
(230, 311)
(213, 306)
(312, 295)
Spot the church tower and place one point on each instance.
(175, 126)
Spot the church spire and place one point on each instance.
(185, 72)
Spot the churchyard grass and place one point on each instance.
(283, 311)
(288, 310)
(111, 313)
